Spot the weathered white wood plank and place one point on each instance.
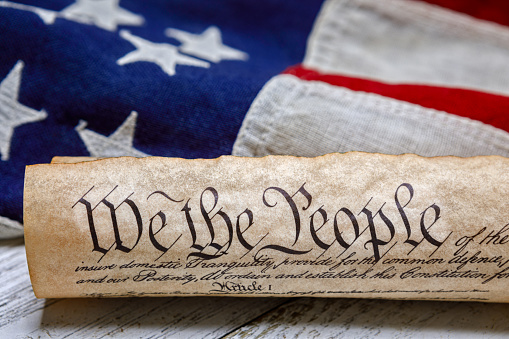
(15, 288)
(22, 315)
(357, 318)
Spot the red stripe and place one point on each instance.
(491, 10)
(488, 108)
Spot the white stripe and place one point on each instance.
(402, 41)
(311, 118)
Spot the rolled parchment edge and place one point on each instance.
(68, 161)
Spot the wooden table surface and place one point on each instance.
(24, 316)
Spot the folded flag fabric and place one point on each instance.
(199, 79)
(392, 76)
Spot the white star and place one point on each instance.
(105, 14)
(120, 143)
(12, 113)
(164, 55)
(208, 45)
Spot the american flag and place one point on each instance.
(200, 79)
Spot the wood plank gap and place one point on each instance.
(225, 336)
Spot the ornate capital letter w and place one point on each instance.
(113, 215)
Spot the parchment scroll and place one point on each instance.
(340, 225)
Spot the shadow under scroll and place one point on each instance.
(189, 317)
(356, 318)
(216, 317)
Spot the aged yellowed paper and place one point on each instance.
(340, 225)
